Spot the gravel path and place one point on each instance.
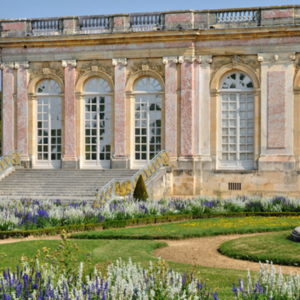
(204, 252)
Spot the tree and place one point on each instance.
(140, 191)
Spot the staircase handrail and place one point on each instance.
(9, 160)
(125, 186)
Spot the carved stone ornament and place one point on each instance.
(122, 61)
(190, 58)
(235, 60)
(250, 61)
(204, 59)
(145, 64)
(170, 59)
(71, 62)
(46, 70)
(95, 65)
(22, 64)
(9, 65)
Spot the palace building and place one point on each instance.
(218, 89)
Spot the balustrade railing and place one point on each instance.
(45, 24)
(9, 160)
(141, 19)
(120, 187)
(87, 22)
(234, 16)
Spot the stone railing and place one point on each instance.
(173, 20)
(234, 16)
(10, 160)
(125, 186)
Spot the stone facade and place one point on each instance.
(219, 89)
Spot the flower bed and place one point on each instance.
(56, 275)
(32, 214)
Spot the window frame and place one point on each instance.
(236, 164)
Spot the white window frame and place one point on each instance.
(234, 164)
(140, 163)
(97, 164)
(52, 164)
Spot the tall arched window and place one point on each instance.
(147, 119)
(97, 140)
(48, 124)
(236, 138)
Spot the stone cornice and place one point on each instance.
(70, 62)
(274, 58)
(121, 61)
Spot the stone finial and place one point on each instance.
(22, 64)
(70, 62)
(121, 61)
(171, 59)
(9, 65)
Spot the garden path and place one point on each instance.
(204, 252)
(30, 238)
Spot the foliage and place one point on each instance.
(268, 286)
(197, 228)
(276, 247)
(55, 275)
(28, 214)
(140, 191)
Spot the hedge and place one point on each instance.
(136, 222)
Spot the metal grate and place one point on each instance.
(234, 186)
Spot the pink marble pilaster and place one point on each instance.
(22, 108)
(120, 107)
(7, 108)
(276, 109)
(171, 104)
(70, 111)
(187, 106)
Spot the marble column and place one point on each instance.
(277, 74)
(7, 107)
(119, 159)
(171, 105)
(22, 111)
(69, 159)
(187, 105)
(202, 114)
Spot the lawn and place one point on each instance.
(275, 247)
(196, 228)
(139, 251)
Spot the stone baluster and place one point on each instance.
(69, 159)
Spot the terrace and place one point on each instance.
(153, 21)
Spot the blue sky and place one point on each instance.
(56, 8)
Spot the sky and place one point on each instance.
(10, 9)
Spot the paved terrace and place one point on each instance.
(168, 20)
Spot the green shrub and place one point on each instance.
(140, 191)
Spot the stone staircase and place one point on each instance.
(65, 185)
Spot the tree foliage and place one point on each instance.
(140, 191)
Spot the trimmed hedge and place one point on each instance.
(136, 222)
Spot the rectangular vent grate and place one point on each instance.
(234, 186)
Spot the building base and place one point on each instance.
(120, 162)
(69, 162)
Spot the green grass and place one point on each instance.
(275, 247)
(196, 228)
(139, 251)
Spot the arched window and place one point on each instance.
(97, 139)
(48, 124)
(236, 135)
(147, 119)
